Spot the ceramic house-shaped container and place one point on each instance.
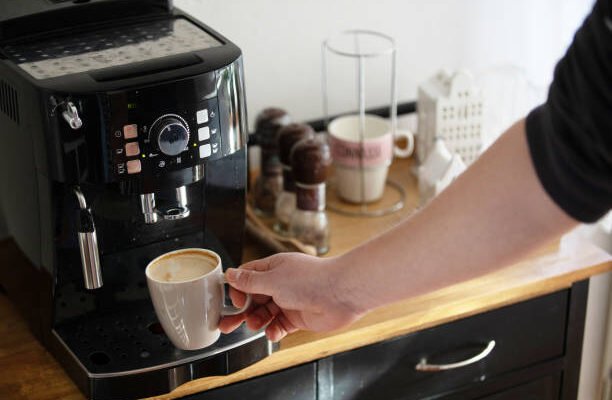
(450, 107)
(437, 171)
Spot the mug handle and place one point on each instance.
(228, 310)
(406, 152)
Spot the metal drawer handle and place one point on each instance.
(423, 366)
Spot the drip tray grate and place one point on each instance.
(132, 339)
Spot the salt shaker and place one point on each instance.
(269, 184)
(288, 136)
(310, 161)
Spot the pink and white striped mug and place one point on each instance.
(376, 154)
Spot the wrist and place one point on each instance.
(346, 288)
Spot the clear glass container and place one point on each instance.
(265, 193)
(311, 227)
(288, 137)
(285, 208)
(310, 160)
(269, 184)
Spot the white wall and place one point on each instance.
(281, 39)
(606, 371)
(594, 362)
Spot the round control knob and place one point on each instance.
(171, 134)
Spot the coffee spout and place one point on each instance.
(151, 213)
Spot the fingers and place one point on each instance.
(256, 318)
(238, 298)
(279, 328)
(249, 277)
(262, 315)
(231, 323)
(248, 281)
(256, 278)
(261, 265)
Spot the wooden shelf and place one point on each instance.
(347, 231)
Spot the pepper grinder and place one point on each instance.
(310, 161)
(269, 183)
(288, 136)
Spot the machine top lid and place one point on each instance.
(119, 45)
(20, 18)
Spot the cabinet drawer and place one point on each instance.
(546, 388)
(524, 334)
(298, 383)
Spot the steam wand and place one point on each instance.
(88, 243)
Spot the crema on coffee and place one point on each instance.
(182, 267)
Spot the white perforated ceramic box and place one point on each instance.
(450, 107)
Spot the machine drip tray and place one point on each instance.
(131, 341)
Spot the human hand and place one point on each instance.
(290, 291)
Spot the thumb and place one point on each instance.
(248, 281)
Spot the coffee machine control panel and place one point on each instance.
(148, 142)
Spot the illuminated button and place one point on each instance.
(204, 133)
(130, 131)
(202, 116)
(134, 166)
(132, 149)
(205, 151)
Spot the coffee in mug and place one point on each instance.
(181, 268)
(187, 290)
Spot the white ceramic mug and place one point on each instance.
(187, 290)
(375, 156)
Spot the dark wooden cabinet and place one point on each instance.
(524, 334)
(298, 383)
(546, 388)
(536, 356)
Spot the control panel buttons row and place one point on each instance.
(207, 133)
(131, 149)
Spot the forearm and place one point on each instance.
(490, 217)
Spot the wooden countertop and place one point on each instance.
(29, 372)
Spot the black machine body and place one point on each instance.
(122, 136)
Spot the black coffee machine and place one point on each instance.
(122, 136)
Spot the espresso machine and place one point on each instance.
(122, 137)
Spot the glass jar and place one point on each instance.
(269, 183)
(310, 161)
(288, 137)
